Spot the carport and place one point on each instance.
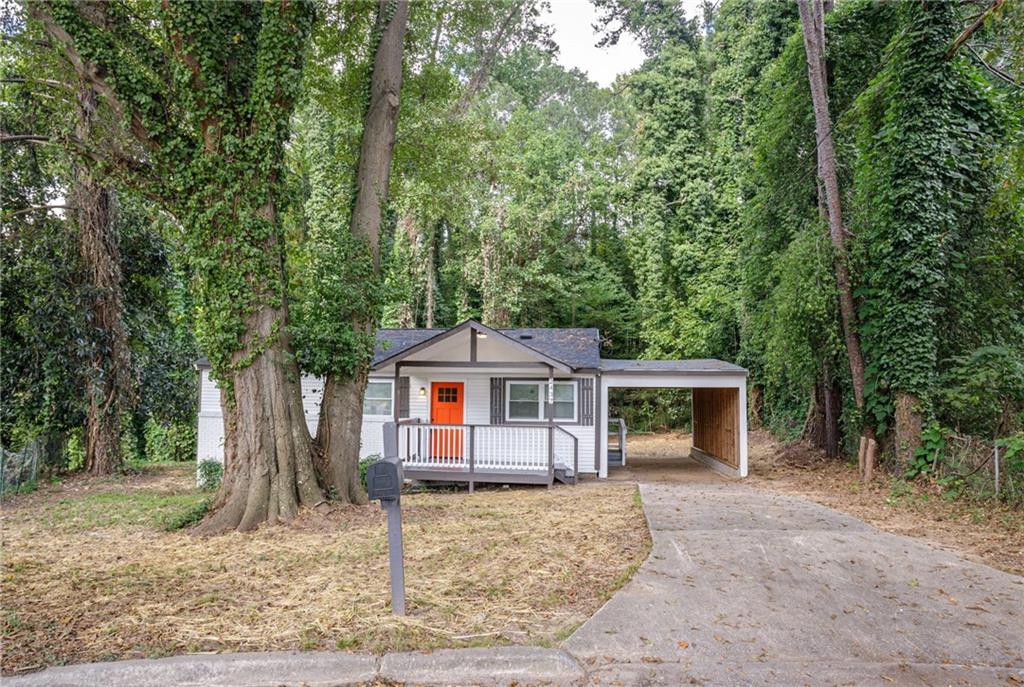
(719, 406)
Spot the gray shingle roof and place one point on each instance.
(705, 366)
(576, 347)
(392, 341)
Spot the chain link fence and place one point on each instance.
(19, 469)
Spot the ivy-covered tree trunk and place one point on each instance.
(341, 412)
(108, 381)
(922, 179)
(207, 92)
(406, 258)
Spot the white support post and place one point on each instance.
(743, 428)
(603, 436)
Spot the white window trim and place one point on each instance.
(391, 385)
(543, 396)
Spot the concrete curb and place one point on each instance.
(495, 667)
(513, 665)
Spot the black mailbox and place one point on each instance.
(384, 480)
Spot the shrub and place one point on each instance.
(210, 473)
(175, 441)
(75, 451)
(1012, 456)
(364, 463)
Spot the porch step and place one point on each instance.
(614, 457)
(564, 474)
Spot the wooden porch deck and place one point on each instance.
(520, 453)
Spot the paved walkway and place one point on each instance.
(746, 587)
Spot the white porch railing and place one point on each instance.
(487, 450)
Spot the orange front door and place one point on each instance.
(446, 400)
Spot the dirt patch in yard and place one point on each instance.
(985, 531)
(89, 574)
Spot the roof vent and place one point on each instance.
(526, 337)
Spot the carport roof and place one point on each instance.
(671, 367)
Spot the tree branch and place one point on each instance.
(479, 78)
(44, 82)
(89, 72)
(999, 73)
(23, 138)
(975, 25)
(33, 208)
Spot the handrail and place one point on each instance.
(535, 425)
(575, 449)
(474, 449)
(620, 433)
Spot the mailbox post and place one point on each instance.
(384, 483)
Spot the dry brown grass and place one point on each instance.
(89, 575)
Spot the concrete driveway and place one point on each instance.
(747, 587)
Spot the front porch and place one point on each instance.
(524, 453)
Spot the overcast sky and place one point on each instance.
(576, 39)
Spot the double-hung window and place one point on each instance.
(378, 398)
(526, 401)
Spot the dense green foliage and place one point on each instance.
(48, 337)
(677, 210)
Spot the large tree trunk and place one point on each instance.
(812, 21)
(823, 425)
(268, 453)
(268, 449)
(339, 437)
(342, 415)
(109, 383)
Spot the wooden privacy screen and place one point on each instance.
(716, 424)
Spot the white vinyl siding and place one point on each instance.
(476, 411)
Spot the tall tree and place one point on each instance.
(338, 432)
(922, 178)
(207, 98)
(109, 382)
(812, 22)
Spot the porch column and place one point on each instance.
(550, 406)
(394, 407)
(602, 468)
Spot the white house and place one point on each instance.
(476, 404)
